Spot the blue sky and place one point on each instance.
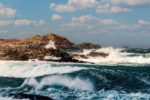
(114, 23)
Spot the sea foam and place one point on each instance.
(116, 56)
(34, 69)
(73, 83)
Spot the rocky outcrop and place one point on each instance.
(26, 54)
(37, 42)
(22, 96)
(36, 48)
(60, 42)
(89, 46)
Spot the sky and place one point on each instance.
(116, 23)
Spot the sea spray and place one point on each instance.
(74, 83)
(126, 79)
(22, 70)
(51, 44)
(116, 56)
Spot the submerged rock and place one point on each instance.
(96, 54)
(29, 96)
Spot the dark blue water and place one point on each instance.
(76, 81)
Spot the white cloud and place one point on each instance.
(62, 8)
(88, 22)
(56, 17)
(5, 22)
(117, 9)
(7, 12)
(82, 4)
(74, 5)
(130, 2)
(28, 22)
(85, 18)
(92, 19)
(101, 6)
(109, 22)
(143, 22)
(21, 22)
(93, 24)
(106, 8)
(129, 27)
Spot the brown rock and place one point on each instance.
(89, 46)
(76, 56)
(96, 54)
(59, 41)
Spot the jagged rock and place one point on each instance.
(59, 41)
(96, 54)
(26, 54)
(37, 42)
(29, 96)
(2, 52)
(35, 48)
(89, 46)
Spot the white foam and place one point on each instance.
(74, 83)
(51, 44)
(32, 69)
(115, 57)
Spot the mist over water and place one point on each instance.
(123, 75)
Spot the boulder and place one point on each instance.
(29, 96)
(89, 46)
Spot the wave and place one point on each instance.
(72, 83)
(116, 56)
(9, 98)
(34, 69)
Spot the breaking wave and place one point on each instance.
(74, 83)
(34, 69)
(117, 56)
(108, 79)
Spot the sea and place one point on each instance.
(123, 75)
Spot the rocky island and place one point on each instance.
(48, 47)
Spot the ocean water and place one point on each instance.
(123, 75)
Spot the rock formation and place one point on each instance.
(89, 46)
(22, 96)
(36, 48)
(37, 42)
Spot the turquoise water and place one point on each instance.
(65, 81)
